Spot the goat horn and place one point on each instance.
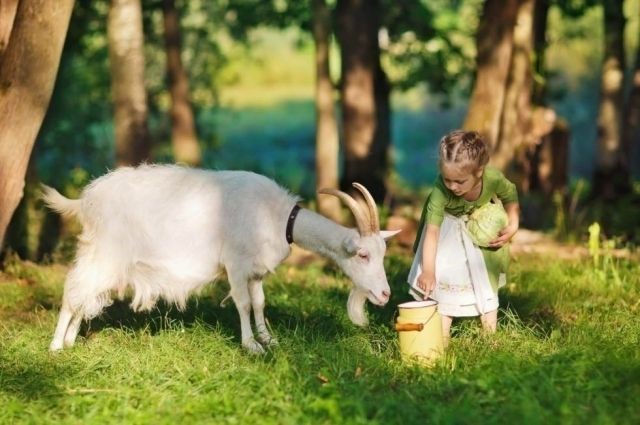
(374, 219)
(364, 228)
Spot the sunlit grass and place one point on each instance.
(248, 96)
(566, 352)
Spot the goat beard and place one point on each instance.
(355, 307)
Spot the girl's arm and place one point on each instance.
(513, 212)
(427, 279)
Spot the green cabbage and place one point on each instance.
(485, 223)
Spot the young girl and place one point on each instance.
(448, 267)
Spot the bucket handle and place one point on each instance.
(404, 327)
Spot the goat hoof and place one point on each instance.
(55, 347)
(267, 340)
(253, 346)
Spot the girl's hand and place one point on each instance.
(426, 282)
(504, 236)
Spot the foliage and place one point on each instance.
(569, 220)
(565, 352)
(605, 266)
(617, 218)
(568, 217)
(431, 43)
(575, 8)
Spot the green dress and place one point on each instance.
(441, 200)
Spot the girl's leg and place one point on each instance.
(490, 321)
(446, 329)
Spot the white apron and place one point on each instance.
(462, 283)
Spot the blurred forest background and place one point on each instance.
(324, 93)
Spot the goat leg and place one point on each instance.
(242, 300)
(256, 293)
(61, 328)
(72, 330)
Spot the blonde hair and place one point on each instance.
(466, 148)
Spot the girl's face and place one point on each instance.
(461, 179)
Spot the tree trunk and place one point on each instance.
(540, 18)
(612, 168)
(364, 150)
(183, 132)
(24, 228)
(28, 70)
(126, 56)
(514, 144)
(327, 143)
(494, 42)
(548, 162)
(382, 135)
(7, 16)
(631, 128)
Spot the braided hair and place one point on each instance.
(464, 148)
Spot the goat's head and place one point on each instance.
(363, 255)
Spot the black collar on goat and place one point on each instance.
(290, 221)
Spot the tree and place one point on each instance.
(540, 43)
(126, 56)
(327, 143)
(612, 168)
(548, 162)
(28, 70)
(515, 121)
(630, 134)
(494, 46)
(525, 144)
(7, 15)
(183, 132)
(364, 94)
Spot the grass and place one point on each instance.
(566, 352)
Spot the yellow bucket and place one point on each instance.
(419, 327)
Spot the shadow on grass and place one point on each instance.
(532, 310)
(164, 316)
(312, 313)
(319, 311)
(316, 320)
(28, 379)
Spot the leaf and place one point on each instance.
(358, 372)
(322, 378)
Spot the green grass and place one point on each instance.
(566, 352)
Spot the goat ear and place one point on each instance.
(388, 234)
(351, 245)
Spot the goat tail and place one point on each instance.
(60, 204)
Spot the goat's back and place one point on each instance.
(185, 218)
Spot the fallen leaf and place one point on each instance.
(323, 378)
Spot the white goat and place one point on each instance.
(166, 231)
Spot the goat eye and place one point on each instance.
(363, 256)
